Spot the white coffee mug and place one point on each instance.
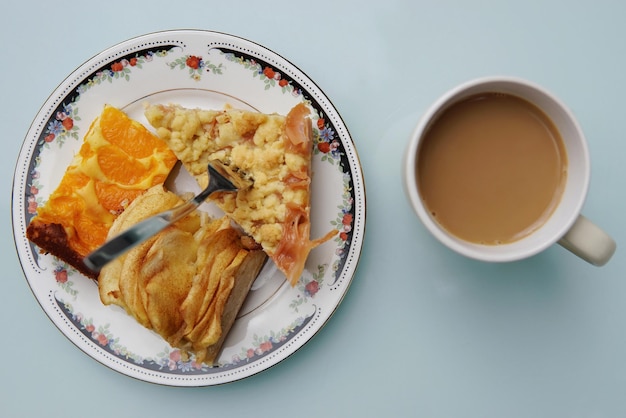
(566, 225)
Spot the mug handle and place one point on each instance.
(586, 240)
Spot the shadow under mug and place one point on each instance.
(565, 226)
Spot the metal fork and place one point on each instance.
(149, 227)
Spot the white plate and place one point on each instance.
(203, 69)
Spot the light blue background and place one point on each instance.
(422, 331)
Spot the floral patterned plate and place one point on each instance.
(196, 69)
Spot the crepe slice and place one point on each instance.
(188, 282)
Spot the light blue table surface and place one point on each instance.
(422, 331)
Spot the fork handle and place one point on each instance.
(137, 234)
(147, 228)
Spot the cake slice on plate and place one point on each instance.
(118, 160)
(272, 151)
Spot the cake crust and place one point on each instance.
(52, 239)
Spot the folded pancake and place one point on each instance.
(188, 282)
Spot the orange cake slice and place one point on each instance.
(271, 150)
(118, 161)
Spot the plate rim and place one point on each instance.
(73, 79)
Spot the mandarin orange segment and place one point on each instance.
(91, 233)
(129, 135)
(72, 180)
(62, 209)
(154, 168)
(113, 198)
(119, 167)
(78, 180)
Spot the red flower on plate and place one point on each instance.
(102, 339)
(265, 346)
(312, 288)
(117, 66)
(269, 73)
(60, 276)
(193, 62)
(175, 355)
(32, 205)
(68, 123)
(323, 147)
